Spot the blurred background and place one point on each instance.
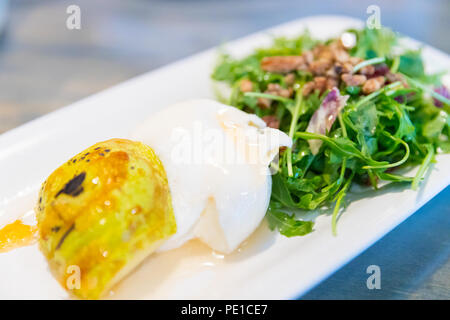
(45, 66)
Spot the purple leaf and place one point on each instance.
(324, 117)
(443, 91)
(380, 70)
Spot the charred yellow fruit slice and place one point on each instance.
(101, 213)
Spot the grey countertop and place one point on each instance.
(44, 66)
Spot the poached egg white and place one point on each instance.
(217, 160)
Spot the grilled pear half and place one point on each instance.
(101, 213)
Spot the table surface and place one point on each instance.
(45, 66)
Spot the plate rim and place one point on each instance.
(16, 133)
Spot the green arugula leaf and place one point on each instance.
(394, 127)
(286, 224)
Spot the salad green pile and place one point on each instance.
(401, 125)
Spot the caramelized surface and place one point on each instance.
(102, 209)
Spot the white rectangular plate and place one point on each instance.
(268, 266)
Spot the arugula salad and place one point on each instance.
(358, 108)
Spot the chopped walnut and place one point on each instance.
(367, 70)
(355, 60)
(272, 121)
(308, 88)
(323, 52)
(246, 85)
(308, 56)
(336, 45)
(353, 79)
(320, 83)
(319, 67)
(331, 83)
(289, 79)
(373, 85)
(393, 77)
(332, 73)
(283, 64)
(330, 65)
(264, 103)
(276, 89)
(346, 67)
(340, 55)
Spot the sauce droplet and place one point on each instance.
(17, 234)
